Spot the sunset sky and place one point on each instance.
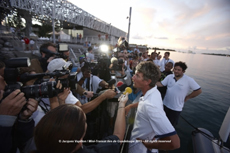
(197, 25)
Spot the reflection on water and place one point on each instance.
(208, 109)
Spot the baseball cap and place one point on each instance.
(58, 64)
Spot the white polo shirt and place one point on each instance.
(163, 62)
(178, 90)
(150, 121)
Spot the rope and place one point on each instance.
(204, 134)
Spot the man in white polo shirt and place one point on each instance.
(178, 87)
(165, 60)
(151, 122)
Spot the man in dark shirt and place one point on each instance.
(167, 71)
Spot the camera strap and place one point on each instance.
(44, 107)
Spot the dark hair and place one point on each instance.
(86, 67)
(46, 45)
(90, 48)
(149, 71)
(167, 53)
(150, 60)
(2, 65)
(181, 64)
(169, 63)
(65, 122)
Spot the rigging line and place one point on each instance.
(205, 134)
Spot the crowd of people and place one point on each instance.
(89, 113)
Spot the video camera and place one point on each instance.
(42, 88)
(60, 54)
(70, 81)
(122, 44)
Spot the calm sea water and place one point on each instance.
(207, 110)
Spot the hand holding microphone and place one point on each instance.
(124, 97)
(123, 100)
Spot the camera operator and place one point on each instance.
(59, 64)
(40, 65)
(120, 70)
(16, 126)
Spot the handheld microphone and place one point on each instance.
(111, 82)
(121, 88)
(128, 90)
(119, 83)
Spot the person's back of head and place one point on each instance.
(90, 49)
(64, 123)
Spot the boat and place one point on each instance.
(204, 141)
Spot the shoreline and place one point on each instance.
(227, 55)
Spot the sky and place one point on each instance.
(196, 25)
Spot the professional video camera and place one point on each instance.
(122, 44)
(61, 49)
(42, 88)
(70, 81)
(11, 76)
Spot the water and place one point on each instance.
(207, 110)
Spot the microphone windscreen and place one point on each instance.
(119, 83)
(122, 87)
(128, 90)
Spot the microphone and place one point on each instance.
(119, 83)
(128, 90)
(111, 82)
(121, 88)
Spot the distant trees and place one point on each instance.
(15, 20)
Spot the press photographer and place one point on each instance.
(120, 71)
(16, 124)
(67, 96)
(12, 78)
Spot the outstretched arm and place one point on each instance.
(119, 128)
(88, 107)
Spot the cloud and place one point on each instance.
(137, 36)
(160, 37)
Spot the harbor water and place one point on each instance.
(207, 110)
